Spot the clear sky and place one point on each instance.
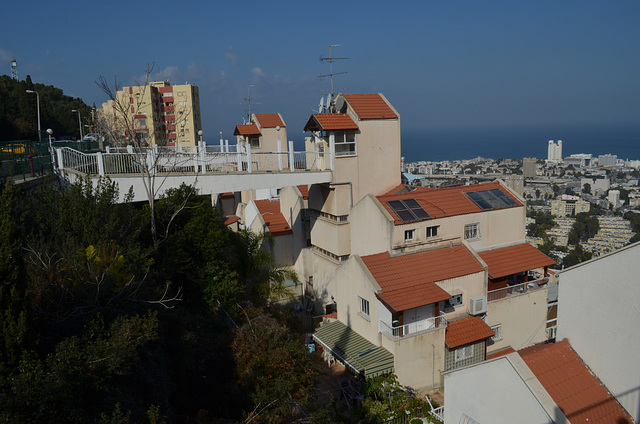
(441, 63)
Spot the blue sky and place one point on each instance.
(442, 64)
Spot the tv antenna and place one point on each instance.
(248, 100)
(331, 74)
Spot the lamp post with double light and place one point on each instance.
(79, 122)
(53, 163)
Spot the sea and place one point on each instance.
(516, 143)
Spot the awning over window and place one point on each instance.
(354, 350)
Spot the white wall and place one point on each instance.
(599, 311)
(495, 392)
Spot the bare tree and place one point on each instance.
(127, 125)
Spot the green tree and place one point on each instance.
(274, 367)
(14, 315)
(256, 267)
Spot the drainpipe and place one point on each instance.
(350, 189)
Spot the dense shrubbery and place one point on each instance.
(101, 324)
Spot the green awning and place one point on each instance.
(353, 350)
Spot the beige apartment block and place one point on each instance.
(562, 208)
(157, 114)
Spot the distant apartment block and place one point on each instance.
(529, 167)
(608, 160)
(156, 114)
(569, 206)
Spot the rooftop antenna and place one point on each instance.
(331, 74)
(248, 100)
(14, 69)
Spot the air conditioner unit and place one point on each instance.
(478, 305)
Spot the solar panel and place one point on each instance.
(408, 210)
(491, 199)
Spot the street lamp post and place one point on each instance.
(79, 122)
(53, 162)
(38, 107)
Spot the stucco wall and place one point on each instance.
(419, 359)
(471, 285)
(522, 318)
(371, 227)
(598, 311)
(498, 227)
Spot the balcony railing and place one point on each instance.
(413, 328)
(516, 290)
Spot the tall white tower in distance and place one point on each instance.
(554, 151)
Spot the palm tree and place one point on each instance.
(257, 269)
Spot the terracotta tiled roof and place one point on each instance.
(370, 106)
(499, 353)
(443, 202)
(227, 195)
(408, 281)
(330, 122)
(466, 330)
(577, 392)
(269, 120)
(246, 130)
(272, 216)
(304, 190)
(230, 220)
(513, 259)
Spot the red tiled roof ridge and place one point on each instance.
(466, 330)
(572, 385)
(370, 106)
(247, 129)
(269, 120)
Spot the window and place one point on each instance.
(254, 141)
(409, 235)
(456, 300)
(432, 232)
(471, 231)
(464, 352)
(497, 329)
(364, 306)
(345, 143)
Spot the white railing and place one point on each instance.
(202, 160)
(413, 328)
(515, 290)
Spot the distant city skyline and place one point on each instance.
(444, 66)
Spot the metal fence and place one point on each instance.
(515, 290)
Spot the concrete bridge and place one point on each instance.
(154, 170)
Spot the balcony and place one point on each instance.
(516, 290)
(413, 328)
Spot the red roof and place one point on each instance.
(304, 190)
(443, 202)
(246, 130)
(408, 281)
(330, 122)
(577, 392)
(272, 216)
(513, 259)
(370, 106)
(230, 220)
(227, 195)
(466, 330)
(269, 120)
(498, 353)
